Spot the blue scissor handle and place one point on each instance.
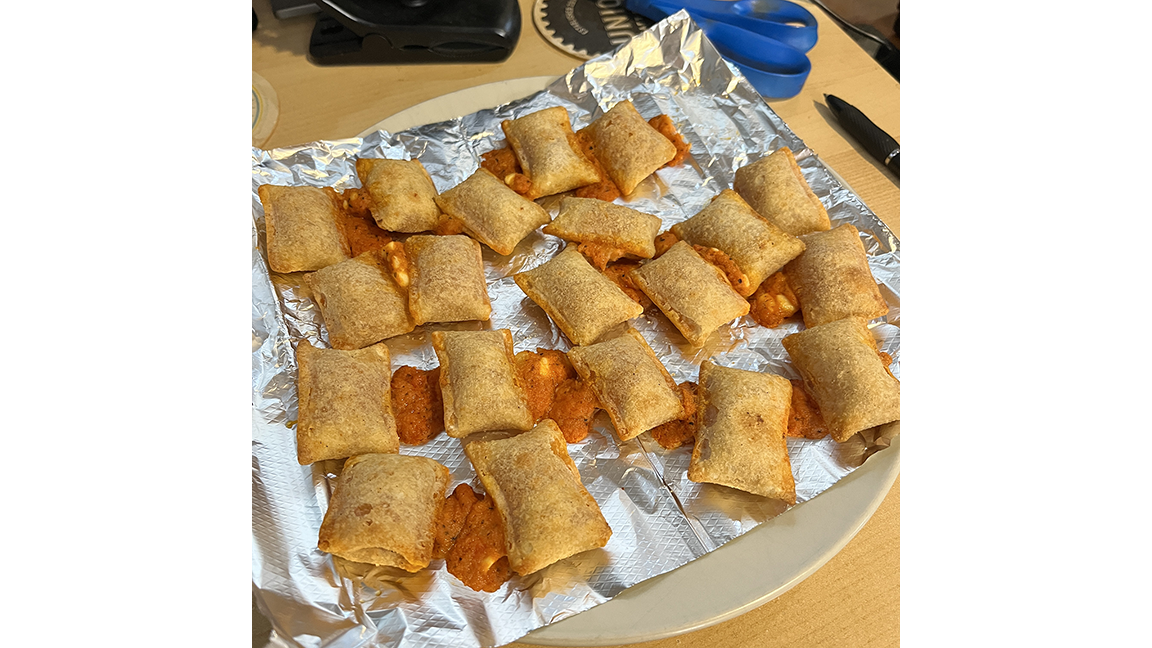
(773, 68)
(779, 20)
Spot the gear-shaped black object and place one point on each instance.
(587, 28)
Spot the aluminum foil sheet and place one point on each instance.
(660, 520)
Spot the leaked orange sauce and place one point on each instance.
(451, 519)
(599, 254)
(804, 420)
(417, 404)
(682, 431)
(448, 226)
(479, 557)
(573, 409)
(738, 279)
(663, 124)
(501, 162)
(541, 371)
(664, 242)
(619, 273)
(359, 227)
(773, 302)
(605, 189)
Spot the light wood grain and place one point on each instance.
(854, 599)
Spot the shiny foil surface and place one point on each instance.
(660, 520)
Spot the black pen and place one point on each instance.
(879, 144)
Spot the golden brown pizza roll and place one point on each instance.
(401, 195)
(628, 147)
(360, 301)
(447, 280)
(383, 510)
(742, 417)
(776, 189)
(492, 213)
(588, 220)
(832, 280)
(845, 376)
(546, 147)
(632, 384)
(548, 514)
(345, 403)
(694, 294)
(479, 383)
(728, 224)
(303, 227)
(580, 299)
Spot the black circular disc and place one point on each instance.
(587, 28)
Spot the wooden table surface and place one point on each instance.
(853, 600)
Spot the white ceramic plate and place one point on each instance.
(743, 574)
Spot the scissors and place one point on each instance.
(765, 39)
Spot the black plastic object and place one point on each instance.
(878, 143)
(365, 32)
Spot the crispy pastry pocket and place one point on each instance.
(728, 224)
(845, 375)
(360, 301)
(303, 228)
(694, 294)
(401, 193)
(588, 220)
(775, 187)
(383, 510)
(742, 417)
(478, 379)
(345, 403)
(832, 278)
(632, 384)
(548, 514)
(546, 147)
(581, 300)
(447, 280)
(492, 213)
(628, 147)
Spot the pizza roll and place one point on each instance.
(345, 403)
(360, 301)
(628, 147)
(832, 279)
(580, 299)
(479, 383)
(548, 514)
(492, 213)
(401, 195)
(845, 375)
(447, 280)
(632, 384)
(546, 147)
(383, 510)
(694, 294)
(776, 189)
(588, 220)
(303, 227)
(742, 417)
(754, 244)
